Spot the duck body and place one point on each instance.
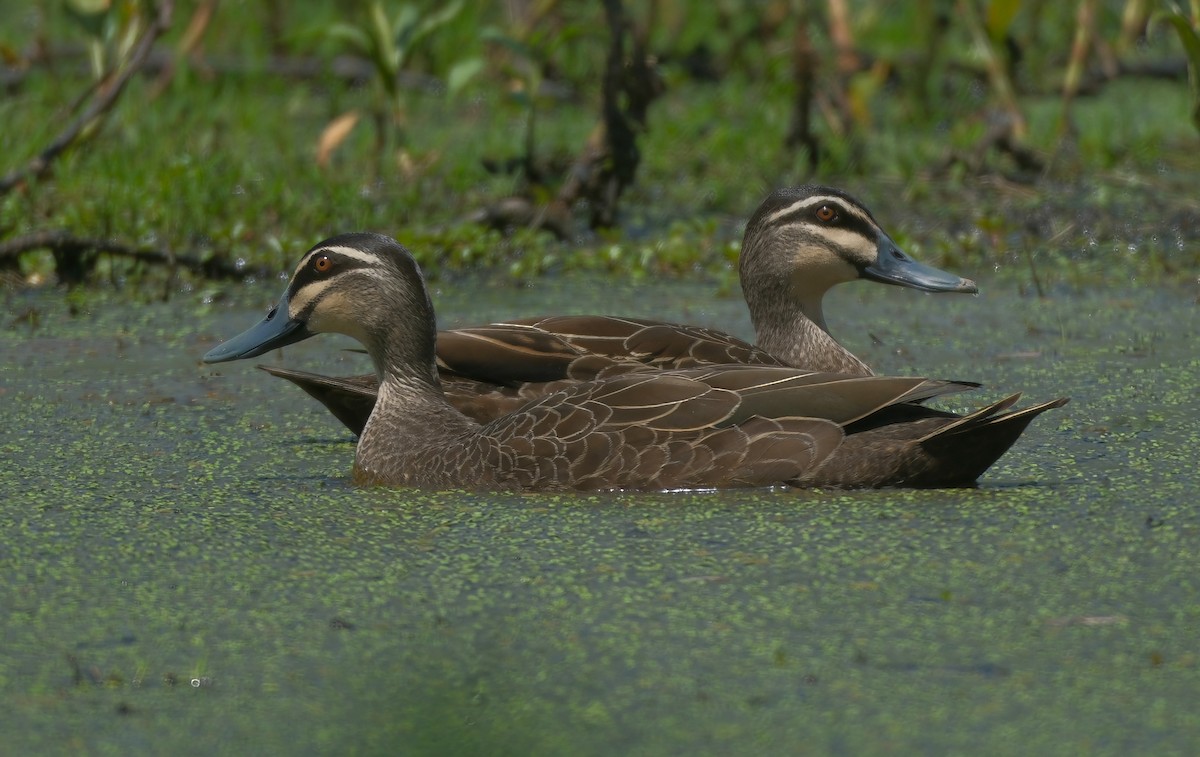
(646, 431)
(637, 428)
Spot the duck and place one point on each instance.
(798, 244)
(713, 426)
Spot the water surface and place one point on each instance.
(187, 570)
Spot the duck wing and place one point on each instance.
(712, 427)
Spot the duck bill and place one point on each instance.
(276, 330)
(892, 266)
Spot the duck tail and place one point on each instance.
(962, 450)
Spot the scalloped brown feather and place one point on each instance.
(653, 430)
(491, 370)
(889, 440)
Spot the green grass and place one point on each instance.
(225, 166)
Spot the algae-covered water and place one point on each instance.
(187, 570)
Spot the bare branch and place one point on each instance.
(804, 74)
(609, 160)
(69, 250)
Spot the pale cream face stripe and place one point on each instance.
(815, 202)
(310, 293)
(846, 239)
(346, 252)
(852, 243)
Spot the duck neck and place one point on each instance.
(412, 424)
(409, 430)
(793, 329)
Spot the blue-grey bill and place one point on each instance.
(892, 266)
(276, 330)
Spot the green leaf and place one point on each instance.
(1187, 35)
(447, 14)
(387, 53)
(1000, 15)
(515, 46)
(90, 15)
(405, 23)
(352, 36)
(461, 73)
(410, 34)
(1191, 46)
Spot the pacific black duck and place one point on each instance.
(715, 426)
(800, 242)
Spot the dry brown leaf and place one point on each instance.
(334, 134)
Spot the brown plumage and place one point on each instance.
(489, 371)
(711, 426)
(799, 243)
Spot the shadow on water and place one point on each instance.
(189, 570)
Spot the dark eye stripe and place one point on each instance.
(847, 218)
(791, 210)
(344, 260)
(347, 256)
(308, 286)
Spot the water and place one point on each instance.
(188, 571)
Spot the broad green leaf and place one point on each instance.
(387, 53)
(561, 37)
(442, 17)
(1000, 15)
(405, 22)
(1187, 35)
(499, 37)
(89, 7)
(90, 15)
(461, 73)
(1191, 46)
(421, 28)
(351, 35)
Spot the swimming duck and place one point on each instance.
(713, 426)
(798, 244)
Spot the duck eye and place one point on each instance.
(826, 214)
(322, 263)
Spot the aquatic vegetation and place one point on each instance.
(239, 180)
